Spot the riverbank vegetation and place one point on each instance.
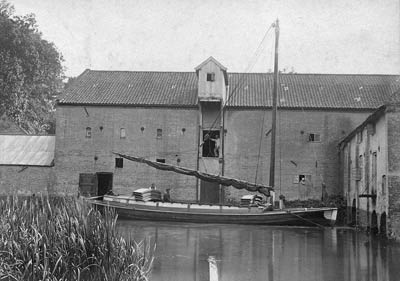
(65, 239)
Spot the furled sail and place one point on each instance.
(239, 184)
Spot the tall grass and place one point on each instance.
(65, 239)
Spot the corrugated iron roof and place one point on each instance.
(27, 150)
(339, 91)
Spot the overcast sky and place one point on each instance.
(317, 36)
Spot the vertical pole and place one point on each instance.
(199, 150)
(274, 106)
(222, 150)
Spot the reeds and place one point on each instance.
(65, 239)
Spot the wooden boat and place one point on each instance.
(128, 208)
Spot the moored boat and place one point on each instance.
(128, 208)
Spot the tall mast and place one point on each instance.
(274, 107)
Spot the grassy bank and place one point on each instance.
(65, 239)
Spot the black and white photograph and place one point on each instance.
(200, 140)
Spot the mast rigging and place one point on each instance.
(274, 108)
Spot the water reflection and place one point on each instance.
(202, 252)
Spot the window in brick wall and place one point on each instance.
(122, 133)
(302, 179)
(359, 137)
(384, 185)
(314, 137)
(210, 77)
(160, 160)
(371, 128)
(119, 162)
(88, 132)
(159, 133)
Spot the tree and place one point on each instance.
(30, 72)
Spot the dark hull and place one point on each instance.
(253, 216)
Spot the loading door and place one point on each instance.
(87, 185)
(209, 192)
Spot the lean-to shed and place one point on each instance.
(26, 164)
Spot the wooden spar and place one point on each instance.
(274, 108)
(239, 184)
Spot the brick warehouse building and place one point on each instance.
(164, 116)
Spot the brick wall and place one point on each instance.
(23, 180)
(393, 124)
(380, 141)
(295, 155)
(76, 154)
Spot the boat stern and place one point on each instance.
(331, 215)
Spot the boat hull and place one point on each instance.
(194, 213)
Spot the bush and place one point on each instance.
(65, 239)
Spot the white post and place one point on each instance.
(212, 263)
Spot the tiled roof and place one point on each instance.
(312, 90)
(133, 88)
(338, 91)
(27, 150)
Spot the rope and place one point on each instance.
(263, 122)
(241, 78)
(259, 146)
(307, 220)
(231, 95)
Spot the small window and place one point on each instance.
(119, 162)
(159, 160)
(303, 179)
(314, 138)
(359, 137)
(211, 77)
(159, 133)
(371, 128)
(383, 185)
(88, 132)
(122, 133)
(360, 162)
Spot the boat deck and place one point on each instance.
(129, 202)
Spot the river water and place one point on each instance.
(204, 252)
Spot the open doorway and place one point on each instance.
(353, 213)
(374, 223)
(104, 183)
(211, 143)
(382, 228)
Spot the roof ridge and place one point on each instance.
(324, 74)
(235, 72)
(139, 71)
(240, 73)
